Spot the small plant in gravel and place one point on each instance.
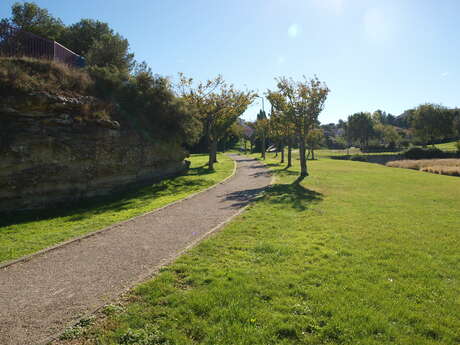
(149, 335)
(78, 329)
(111, 309)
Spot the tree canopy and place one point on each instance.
(302, 102)
(217, 105)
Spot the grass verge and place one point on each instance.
(356, 253)
(26, 233)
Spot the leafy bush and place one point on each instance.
(423, 153)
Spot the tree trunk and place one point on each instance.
(212, 154)
(282, 154)
(262, 150)
(312, 154)
(303, 158)
(289, 158)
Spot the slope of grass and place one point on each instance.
(27, 74)
(356, 254)
(27, 233)
(450, 147)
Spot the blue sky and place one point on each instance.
(389, 55)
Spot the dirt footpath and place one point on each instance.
(42, 296)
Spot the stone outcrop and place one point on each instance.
(50, 154)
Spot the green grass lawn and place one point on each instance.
(357, 254)
(452, 147)
(29, 232)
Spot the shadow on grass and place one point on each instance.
(293, 195)
(129, 198)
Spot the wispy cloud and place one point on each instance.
(444, 74)
(281, 60)
(293, 30)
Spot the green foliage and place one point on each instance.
(431, 122)
(314, 138)
(112, 309)
(217, 105)
(77, 330)
(26, 233)
(456, 121)
(357, 254)
(92, 39)
(360, 128)
(157, 108)
(110, 50)
(149, 335)
(301, 102)
(30, 17)
(108, 81)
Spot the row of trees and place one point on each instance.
(425, 124)
(189, 111)
(145, 102)
(293, 119)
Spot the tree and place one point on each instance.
(276, 132)
(30, 17)
(314, 139)
(360, 128)
(431, 122)
(388, 135)
(456, 121)
(282, 123)
(262, 125)
(304, 102)
(99, 44)
(218, 105)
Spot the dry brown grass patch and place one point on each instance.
(27, 74)
(436, 166)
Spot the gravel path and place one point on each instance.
(40, 297)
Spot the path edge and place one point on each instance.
(169, 260)
(116, 225)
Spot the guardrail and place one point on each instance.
(15, 42)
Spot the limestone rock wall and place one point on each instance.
(53, 157)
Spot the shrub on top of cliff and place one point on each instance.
(149, 104)
(108, 81)
(23, 75)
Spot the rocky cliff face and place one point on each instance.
(50, 154)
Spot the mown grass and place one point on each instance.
(26, 233)
(449, 147)
(356, 253)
